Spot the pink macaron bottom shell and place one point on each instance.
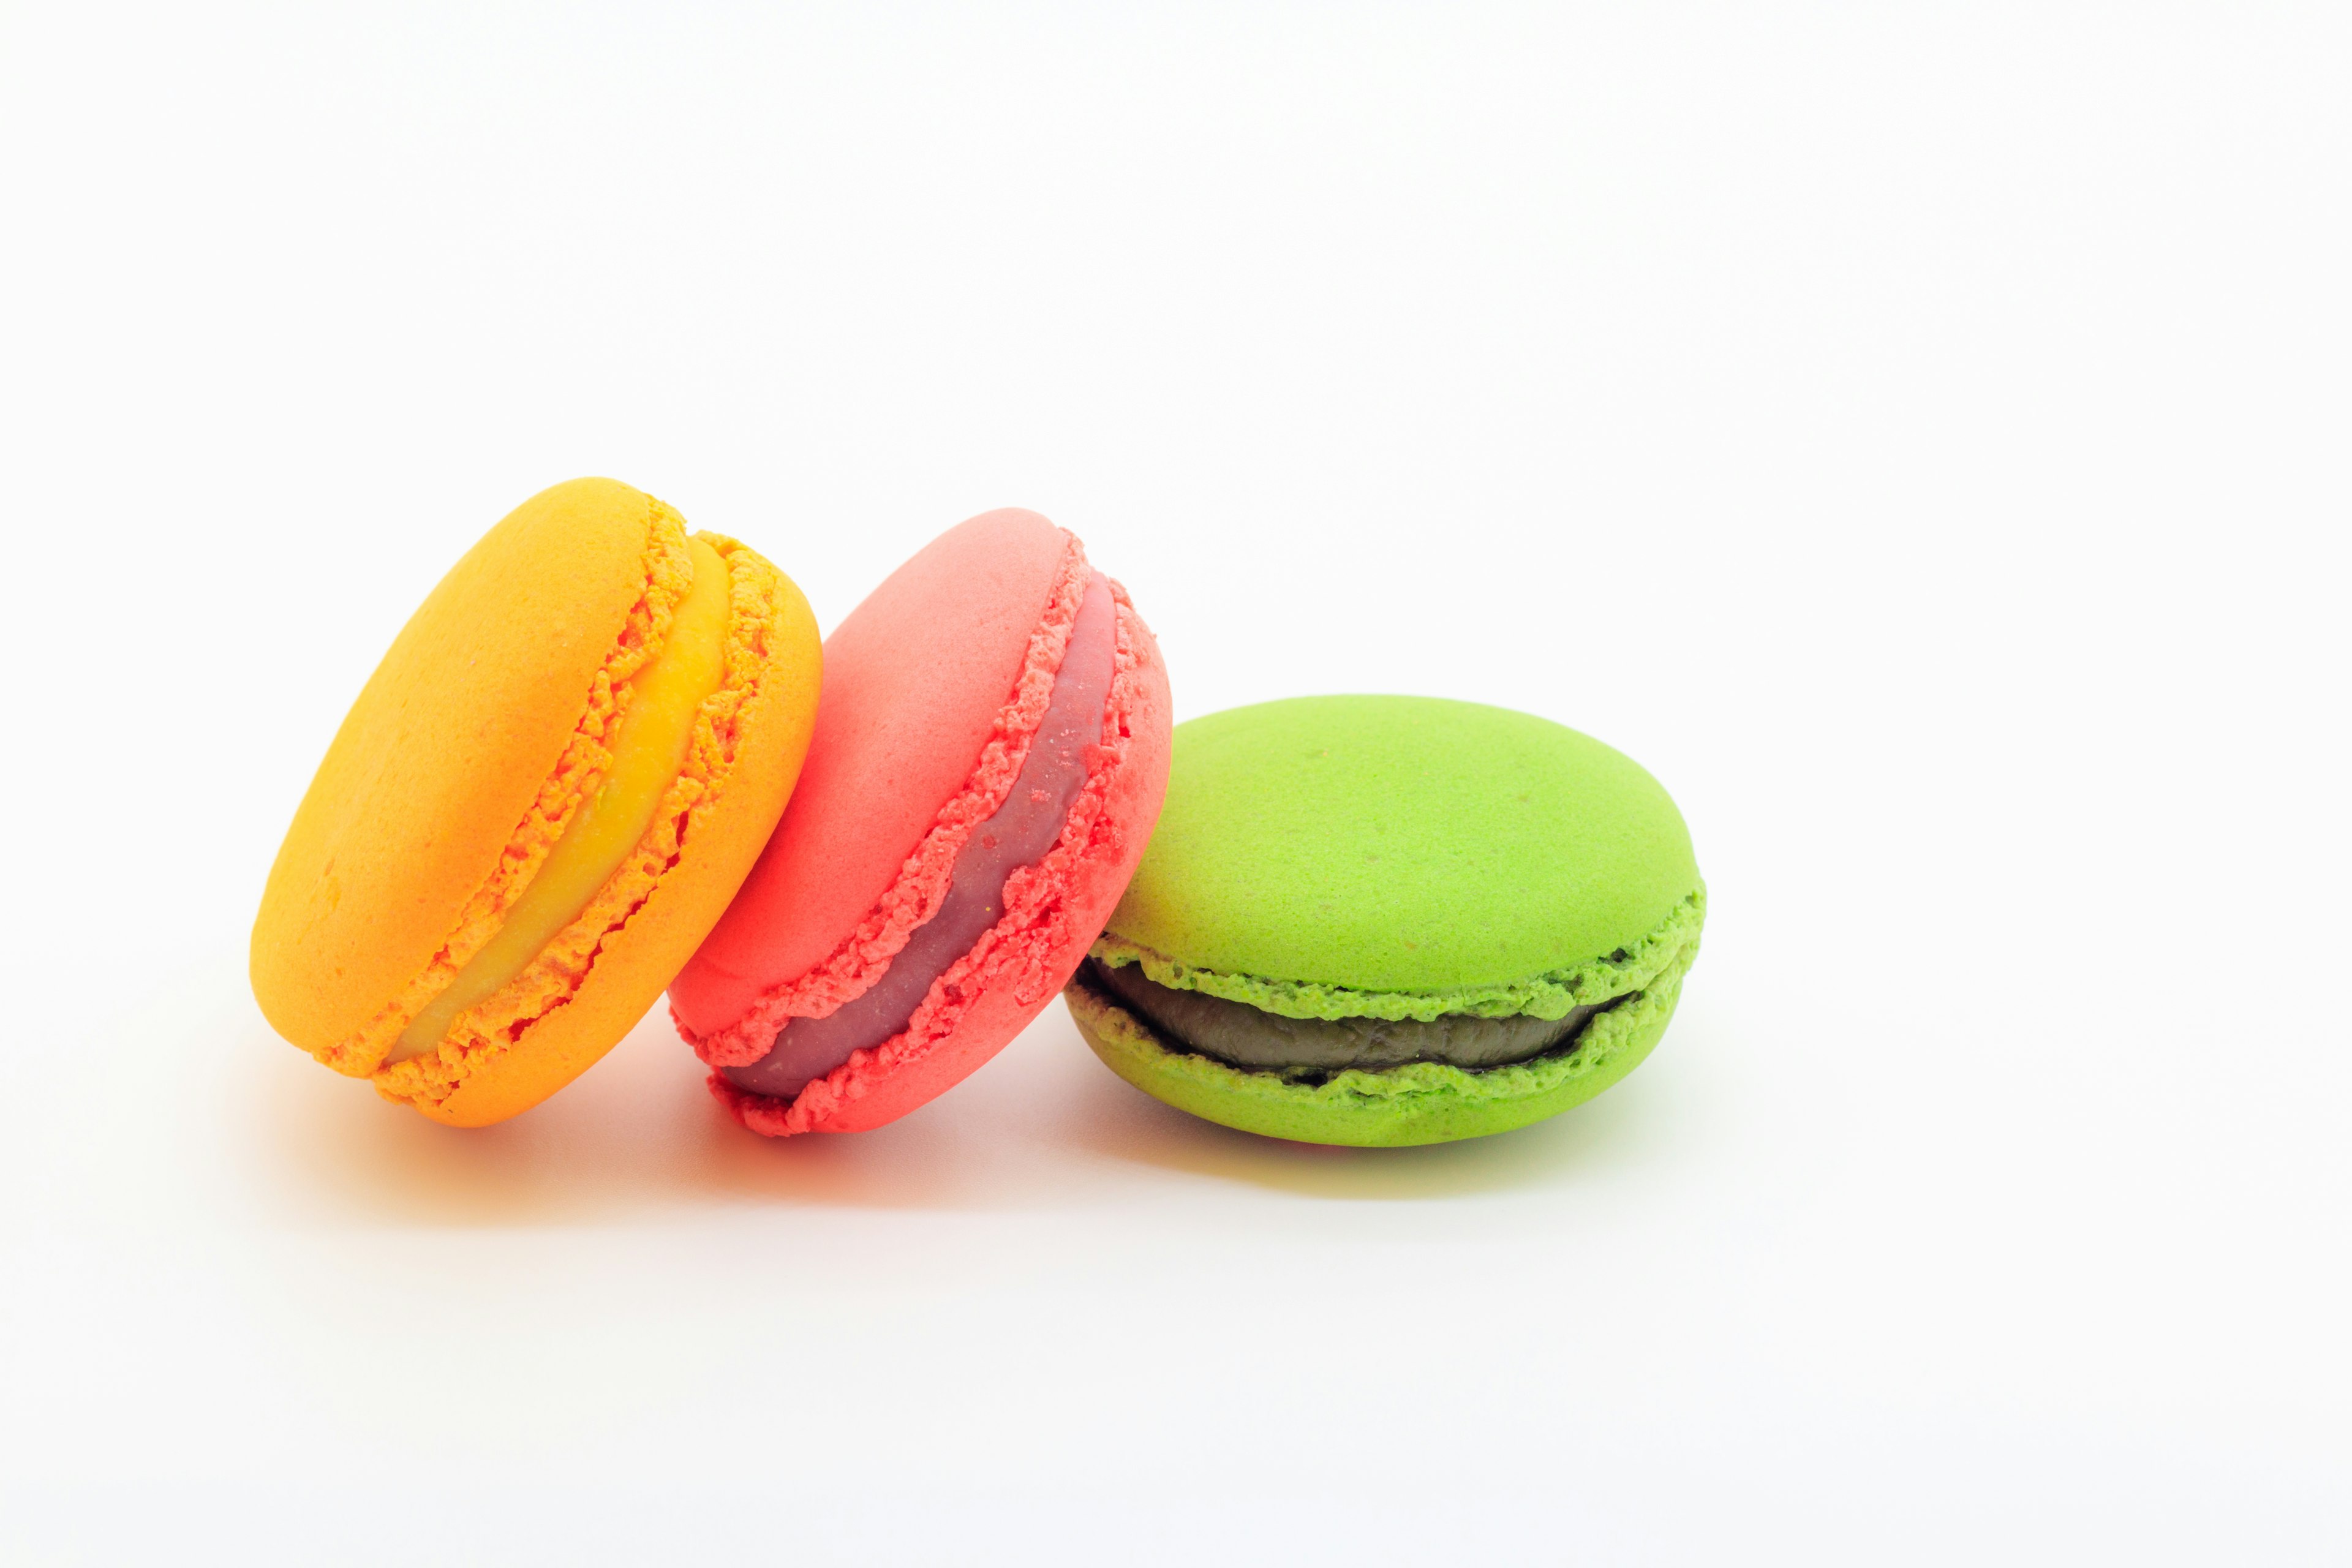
(1029, 822)
(1052, 908)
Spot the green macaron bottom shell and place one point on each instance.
(1421, 1102)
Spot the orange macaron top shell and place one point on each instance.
(935, 687)
(489, 725)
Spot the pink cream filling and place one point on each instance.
(1019, 835)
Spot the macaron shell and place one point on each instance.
(1426, 1102)
(776, 653)
(444, 751)
(878, 1087)
(1401, 844)
(915, 678)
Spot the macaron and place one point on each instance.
(990, 755)
(538, 805)
(1381, 921)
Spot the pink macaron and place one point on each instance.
(990, 751)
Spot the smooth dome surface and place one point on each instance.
(913, 680)
(443, 754)
(1401, 843)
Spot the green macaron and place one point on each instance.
(1393, 919)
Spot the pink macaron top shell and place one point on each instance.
(913, 724)
(904, 675)
(1035, 814)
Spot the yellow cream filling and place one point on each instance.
(648, 751)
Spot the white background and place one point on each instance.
(1918, 433)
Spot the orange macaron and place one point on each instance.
(538, 805)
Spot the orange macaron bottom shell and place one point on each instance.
(1052, 909)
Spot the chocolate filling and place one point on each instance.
(1241, 1035)
(1021, 832)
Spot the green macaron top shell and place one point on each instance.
(1405, 857)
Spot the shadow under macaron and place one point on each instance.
(638, 1133)
(1037, 1129)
